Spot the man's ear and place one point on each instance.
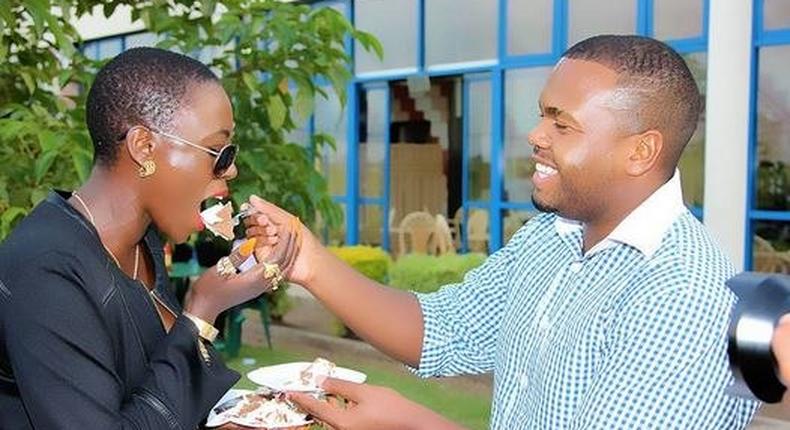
(646, 152)
(140, 144)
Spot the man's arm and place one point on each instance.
(459, 323)
(389, 319)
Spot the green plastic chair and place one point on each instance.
(232, 342)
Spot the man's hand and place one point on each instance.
(780, 344)
(369, 407)
(267, 224)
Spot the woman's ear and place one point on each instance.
(645, 153)
(140, 145)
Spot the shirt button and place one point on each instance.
(576, 267)
(545, 324)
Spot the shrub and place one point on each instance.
(426, 273)
(372, 262)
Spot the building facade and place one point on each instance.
(440, 124)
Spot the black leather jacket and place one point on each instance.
(81, 344)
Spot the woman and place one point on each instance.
(90, 334)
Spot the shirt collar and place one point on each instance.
(645, 226)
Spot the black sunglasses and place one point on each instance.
(223, 159)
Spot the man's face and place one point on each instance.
(578, 143)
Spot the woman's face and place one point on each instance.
(184, 176)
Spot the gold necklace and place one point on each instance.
(93, 222)
(154, 297)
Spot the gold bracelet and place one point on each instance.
(205, 330)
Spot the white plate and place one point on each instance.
(285, 377)
(216, 420)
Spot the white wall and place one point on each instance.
(95, 25)
(727, 127)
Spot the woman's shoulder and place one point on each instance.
(49, 242)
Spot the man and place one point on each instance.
(607, 311)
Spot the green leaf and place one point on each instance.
(43, 163)
(277, 111)
(369, 41)
(250, 81)
(11, 214)
(208, 7)
(38, 195)
(7, 15)
(304, 103)
(49, 141)
(38, 10)
(82, 163)
(30, 83)
(3, 191)
(3, 47)
(64, 77)
(65, 43)
(339, 76)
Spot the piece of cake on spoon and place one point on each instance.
(219, 220)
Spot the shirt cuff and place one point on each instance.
(436, 341)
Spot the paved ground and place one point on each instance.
(309, 328)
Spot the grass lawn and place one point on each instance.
(469, 409)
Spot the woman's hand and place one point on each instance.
(369, 407)
(212, 293)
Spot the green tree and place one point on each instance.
(269, 55)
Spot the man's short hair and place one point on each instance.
(659, 86)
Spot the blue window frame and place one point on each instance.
(765, 40)
(496, 204)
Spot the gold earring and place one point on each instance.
(147, 169)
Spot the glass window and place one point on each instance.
(522, 90)
(677, 19)
(102, 49)
(479, 135)
(692, 161)
(339, 6)
(372, 141)
(141, 39)
(460, 31)
(476, 230)
(512, 220)
(330, 119)
(109, 48)
(773, 130)
(332, 236)
(776, 14)
(371, 225)
(529, 26)
(771, 246)
(90, 50)
(394, 23)
(587, 19)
